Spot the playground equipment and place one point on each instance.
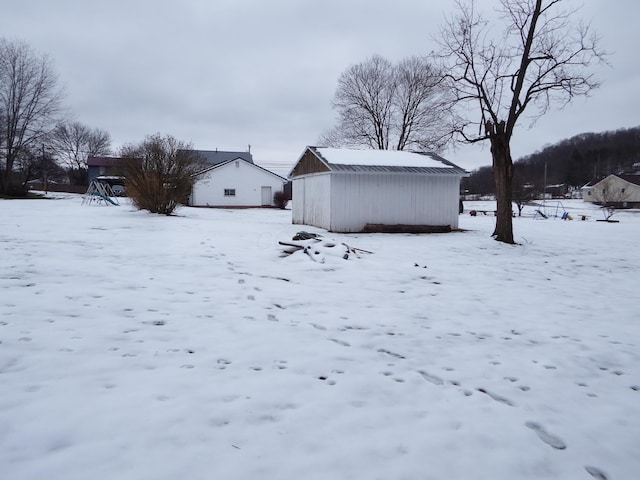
(99, 193)
(552, 210)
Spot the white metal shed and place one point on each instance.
(344, 190)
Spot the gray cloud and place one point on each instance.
(228, 73)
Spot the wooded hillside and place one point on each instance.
(572, 162)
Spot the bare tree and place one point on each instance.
(29, 102)
(385, 106)
(36, 165)
(523, 192)
(541, 58)
(159, 173)
(74, 142)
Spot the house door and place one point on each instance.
(266, 196)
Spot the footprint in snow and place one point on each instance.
(280, 364)
(388, 352)
(496, 397)
(546, 437)
(354, 327)
(325, 378)
(431, 378)
(595, 472)
(340, 342)
(222, 363)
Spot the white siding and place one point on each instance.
(618, 190)
(245, 178)
(312, 200)
(391, 199)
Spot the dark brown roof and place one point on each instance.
(630, 177)
(103, 161)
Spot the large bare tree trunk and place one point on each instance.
(503, 175)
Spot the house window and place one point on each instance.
(237, 164)
(229, 192)
(622, 190)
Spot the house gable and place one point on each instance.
(245, 162)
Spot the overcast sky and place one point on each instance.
(227, 74)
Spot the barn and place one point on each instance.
(343, 190)
(235, 183)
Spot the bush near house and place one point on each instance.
(159, 173)
(281, 199)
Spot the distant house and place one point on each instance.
(105, 170)
(620, 191)
(343, 190)
(102, 166)
(236, 182)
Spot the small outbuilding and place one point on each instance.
(236, 183)
(343, 190)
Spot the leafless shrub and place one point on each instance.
(159, 173)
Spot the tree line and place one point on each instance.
(38, 137)
(572, 162)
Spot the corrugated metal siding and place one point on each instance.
(393, 199)
(312, 200)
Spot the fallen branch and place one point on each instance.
(317, 247)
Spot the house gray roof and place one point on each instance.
(214, 157)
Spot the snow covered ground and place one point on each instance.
(137, 346)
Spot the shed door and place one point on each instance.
(266, 196)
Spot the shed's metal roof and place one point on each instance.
(393, 166)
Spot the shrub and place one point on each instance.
(281, 199)
(159, 173)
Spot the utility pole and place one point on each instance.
(44, 171)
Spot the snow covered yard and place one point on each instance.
(136, 346)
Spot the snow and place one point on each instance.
(379, 158)
(138, 346)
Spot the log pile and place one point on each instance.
(318, 248)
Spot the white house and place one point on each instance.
(621, 191)
(344, 190)
(235, 183)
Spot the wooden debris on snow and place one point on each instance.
(317, 247)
